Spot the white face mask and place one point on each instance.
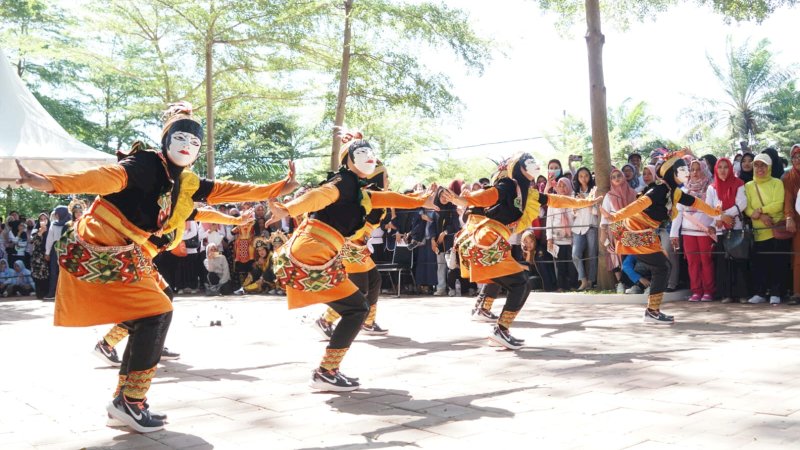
(364, 160)
(682, 175)
(183, 148)
(531, 169)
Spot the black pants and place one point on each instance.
(353, 310)
(518, 290)
(41, 285)
(369, 283)
(769, 269)
(544, 265)
(146, 339)
(566, 273)
(491, 290)
(455, 274)
(659, 267)
(730, 274)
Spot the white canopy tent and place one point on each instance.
(30, 134)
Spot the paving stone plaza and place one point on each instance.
(591, 376)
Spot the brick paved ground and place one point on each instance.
(591, 376)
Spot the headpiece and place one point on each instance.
(277, 239)
(670, 160)
(76, 202)
(349, 139)
(260, 242)
(179, 117)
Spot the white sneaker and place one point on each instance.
(646, 291)
(757, 299)
(620, 288)
(635, 289)
(439, 293)
(774, 300)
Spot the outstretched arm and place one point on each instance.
(102, 180)
(232, 191)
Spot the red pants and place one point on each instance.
(698, 250)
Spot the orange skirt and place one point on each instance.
(309, 266)
(82, 303)
(485, 251)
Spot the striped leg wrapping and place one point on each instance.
(116, 334)
(654, 301)
(120, 384)
(507, 318)
(331, 316)
(487, 303)
(333, 358)
(373, 310)
(138, 383)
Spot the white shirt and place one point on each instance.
(215, 237)
(559, 221)
(741, 202)
(608, 206)
(697, 225)
(797, 203)
(218, 265)
(583, 218)
(190, 233)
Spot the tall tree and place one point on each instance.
(748, 79)
(379, 65)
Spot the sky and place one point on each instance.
(543, 73)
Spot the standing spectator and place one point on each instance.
(554, 173)
(76, 208)
(39, 266)
(727, 192)
(620, 196)
(20, 245)
(791, 186)
(426, 267)
(697, 230)
(776, 169)
(243, 250)
(559, 233)
(186, 275)
(584, 233)
(711, 162)
(632, 178)
(765, 204)
(61, 217)
(746, 173)
(23, 282)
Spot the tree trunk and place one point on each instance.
(599, 111)
(209, 109)
(341, 98)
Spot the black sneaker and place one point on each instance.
(657, 317)
(373, 330)
(324, 327)
(167, 355)
(134, 415)
(484, 315)
(332, 380)
(107, 353)
(503, 338)
(113, 422)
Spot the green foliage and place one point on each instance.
(572, 137)
(417, 166)
(29, 202)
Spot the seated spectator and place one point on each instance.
(636, 273)
(23, 281)
(7, 277)
(219, 275)
(260, 279)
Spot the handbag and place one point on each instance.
(739, 243)
(192, 242)
(779, 230)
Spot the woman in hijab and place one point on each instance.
(559, 234)
(649, 175)
(39, 265)
(696, 229)
(632, 177)
(746, 172)
(727, 192)
(7, 277)
(791, 186)
(776, 169)
(23, 282)
(620, 196)
(60, 216)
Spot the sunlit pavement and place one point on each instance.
(590, 377)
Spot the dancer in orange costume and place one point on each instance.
(107, 273)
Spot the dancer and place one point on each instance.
(511, 204)
(310, 265)
(359, 265)
(106, 256)
(105, 348)
(635, 227)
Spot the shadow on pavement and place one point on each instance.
(170, 439)
(426, 348)
(210, 374)
(18, 310)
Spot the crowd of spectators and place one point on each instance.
(561, 247)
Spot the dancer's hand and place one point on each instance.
(33, 180)
(246, 217)
(278, 212)
(726, 219)
(291, 183)
(449, 196)
(431, 197)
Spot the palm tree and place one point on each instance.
(748, 79)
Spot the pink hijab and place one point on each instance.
(622, 195)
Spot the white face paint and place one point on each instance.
(682, 175)
(531, 169)
(364, 161)
(183, 148)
